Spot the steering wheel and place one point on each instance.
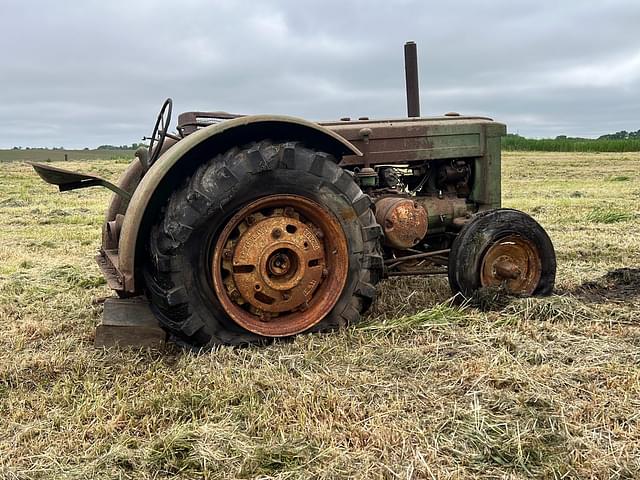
(160, 131)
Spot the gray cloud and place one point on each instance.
(91, 72)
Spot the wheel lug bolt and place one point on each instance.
(276, 233)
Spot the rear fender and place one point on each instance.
(184, 157)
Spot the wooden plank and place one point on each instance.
(128, 322)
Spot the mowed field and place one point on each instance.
(45, 155)
(546, 388)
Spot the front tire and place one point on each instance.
(502, 248)
(264, 241)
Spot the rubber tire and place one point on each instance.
(486, 228)
(177, 273)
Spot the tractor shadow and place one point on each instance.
(620, 285)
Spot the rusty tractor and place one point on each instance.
(236, 229)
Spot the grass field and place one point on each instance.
(42, 155)
(596, 145)
(546, 388)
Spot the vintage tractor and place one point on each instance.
(236, 229)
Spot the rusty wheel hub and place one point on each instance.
(514, 262)
(280, 265)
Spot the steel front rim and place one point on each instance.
(514, 262)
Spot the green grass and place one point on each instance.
(532, 388)
(45, 155)
(518, 143)
(608, 215)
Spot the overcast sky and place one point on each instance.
(86, 73)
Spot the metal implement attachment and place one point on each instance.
(67, 180)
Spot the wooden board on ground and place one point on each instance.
(128, 322)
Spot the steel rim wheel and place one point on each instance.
(280, 265)
(514, 262)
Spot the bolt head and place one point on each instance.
(276, 233)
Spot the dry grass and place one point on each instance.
(545, 388)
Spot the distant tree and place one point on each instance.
(621, 135)
(118, 147)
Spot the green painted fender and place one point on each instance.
(215, 139)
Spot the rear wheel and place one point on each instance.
(266, 241)
(502, 248)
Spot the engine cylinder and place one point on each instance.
(404, 221)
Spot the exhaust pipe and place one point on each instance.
(411, 73)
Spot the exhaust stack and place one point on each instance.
(411, 72)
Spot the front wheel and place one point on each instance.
(265, 241)
(502, 248)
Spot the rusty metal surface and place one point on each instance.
(403, 220)
(443, 211)
(279, 265)
(160, 131)
(412, 83)
(514, 262)
(437, 119)
(107, 260)
(415, 140)
(404, 262)
(128, 182)
(189, 122)
(171, 159)
(417, 272)
(417, 256)
(276, 264)
(487, 182)
(67, 180)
